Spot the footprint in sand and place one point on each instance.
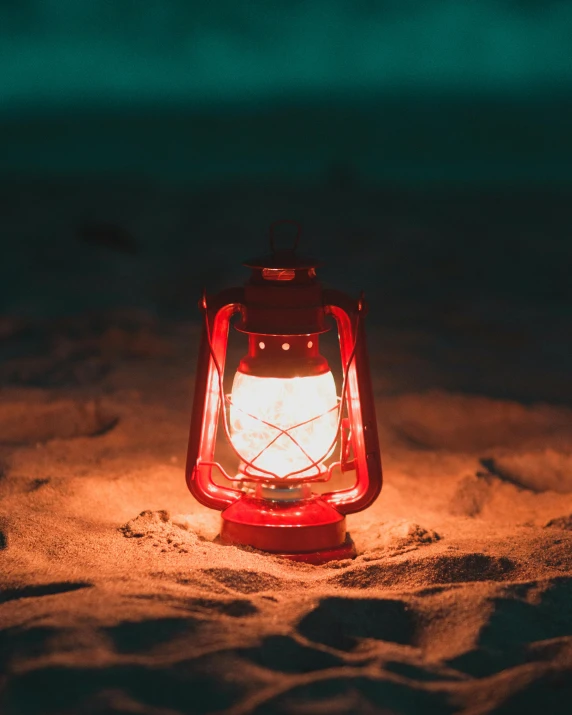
(45, 589)
(245, 581)
(341, 622)
(550, 692)
(356, 694)
(518, 627)
(233, 607)
(285, 655)
(145, 636)
(185, 686)
(3, 534)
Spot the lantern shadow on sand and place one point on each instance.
(288, 428)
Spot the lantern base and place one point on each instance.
(308, 530)
(346, 551)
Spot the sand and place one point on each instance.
(115, 597)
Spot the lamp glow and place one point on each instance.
(284, 425)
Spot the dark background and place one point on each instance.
(426, 147)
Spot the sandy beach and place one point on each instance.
(116, 598)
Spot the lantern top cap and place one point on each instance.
(283, 258)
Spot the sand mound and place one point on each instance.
(471, 495)
(561, 522)
(78, 351)
(539, 471)
(438, 420)
(393, 537)
(36, 416)
(411, 573)
(159, 529)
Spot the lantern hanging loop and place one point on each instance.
(225, 398)
(296, 238)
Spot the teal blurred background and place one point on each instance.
(426, 146)
(404, 90)
(64, 51)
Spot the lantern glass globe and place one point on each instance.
(283, 425)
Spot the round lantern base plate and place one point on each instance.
(309, 530)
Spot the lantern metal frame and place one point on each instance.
(284, 298)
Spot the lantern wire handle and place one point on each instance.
(279, 223)
(280, 430)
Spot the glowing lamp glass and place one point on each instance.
(284, 425)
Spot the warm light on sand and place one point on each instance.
(283, 403)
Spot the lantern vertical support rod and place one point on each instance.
(208, 400)
(361, 408)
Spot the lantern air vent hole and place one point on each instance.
(285, 346)
(261, 345)
(310, 344)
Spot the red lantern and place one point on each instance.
(283, 418)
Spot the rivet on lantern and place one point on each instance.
(283, 418)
